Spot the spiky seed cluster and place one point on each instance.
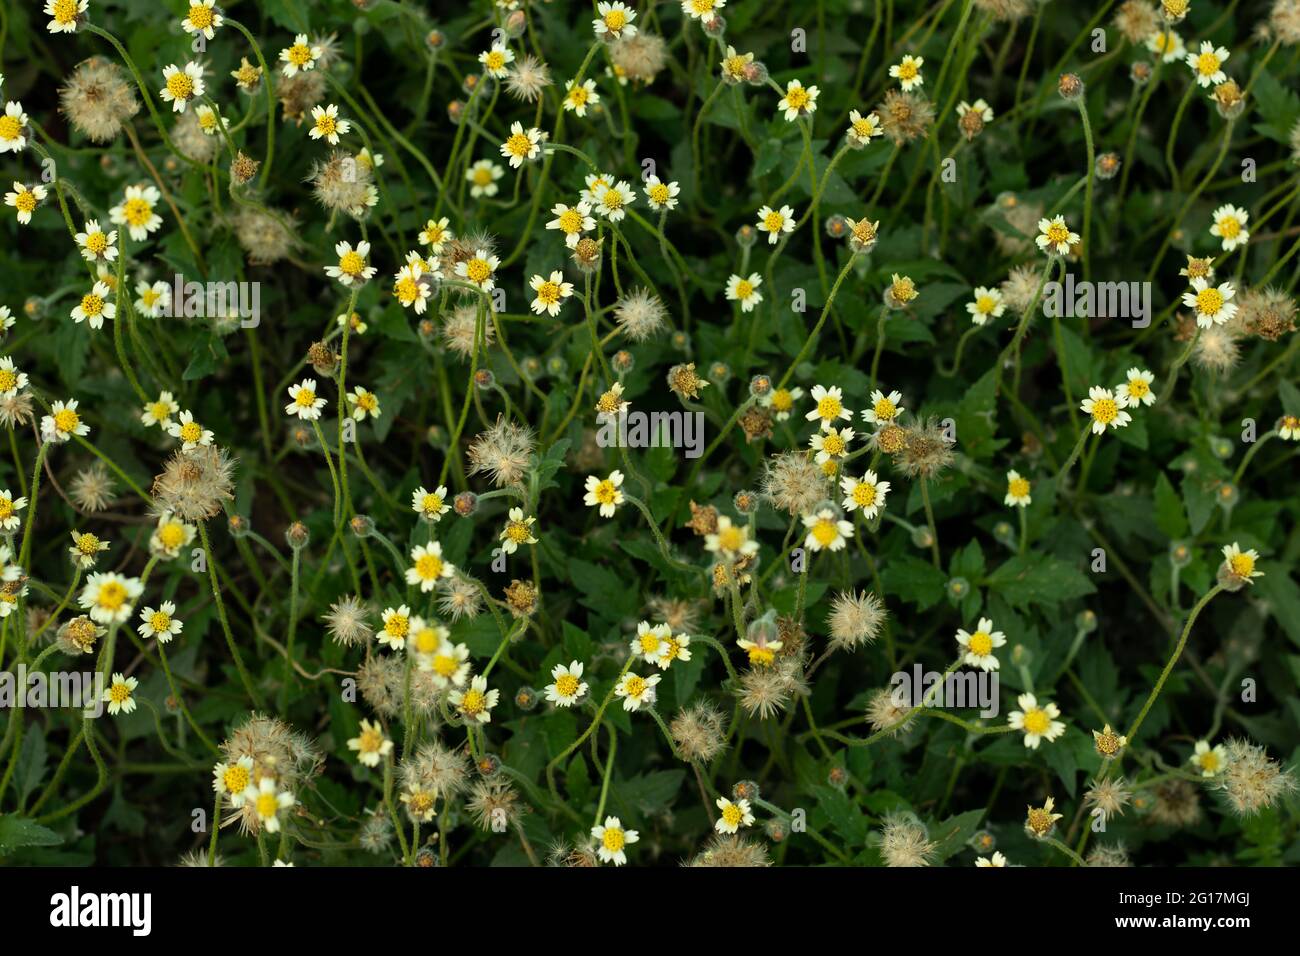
(194, 485)
(856, 618)
(731, 851)
(502, 453)
(904, 842)
(97, 99)
(699, 732)
(792, 482)
(1252, 781)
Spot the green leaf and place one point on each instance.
(914, 580)
(1048, 581)
(17, 832)
(1170, 518)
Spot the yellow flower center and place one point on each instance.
(88, 544)
(864, 495)
(370, 740)
(1208, 761)
(1058, 234)
(612, 199)
(985, 305)
(660, 194)
(111, 596)
(1242, 565)
(1207, 64)
(825, 531)
(495, 60)
(864, 128)
(761, 656)
(519, 145)
(1105, 410)
(566, 685)
(605, 492)
(1018, 487)
(160, 621)
(66, 420)
(731, 539)
(477, 271)
(6, 508)
(907, 70)
(635, 686)
(10, 127)
(1209, 301)
(367, 402)
(1040, 821)
(397, 625)
(433, 235)
(517, 531)
(1138, 387)
(744, 289)
(1036, 721)
(444, 665)
(180, 85)
(235, 779)
(981, 643)
(473, 702)
(26, 201)
(616, 20)
(701, 7)
(200, 16)
(136, 212)
(1229, 227)
(351, 263)
(482, 177)
(732, 815)
(613, 840)
(797, 97)
(305, 398)
(8, 380)
(326, 125)
(885, 410)
(578, 95)
(267, 805)
(833, 445)
(431, 504)
(300, 54)
(773, 221)
(783, 401)
(548, 293)
(97, 242)
(192, 431)
(429, 567)
(119, 693)
(92, 305)
(570, 221)
(65, 11)
(407, 290)
(829, 407)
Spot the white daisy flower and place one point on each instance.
(449, 665)
(9, 508)
(430, 505)
(997, 859)
(1167, 45)
(13, 128)
(1038, 722)
(351, 268)
(550, 293)
(477, 702)
(1137, 389)
(1230, 226)
(436, 235)
(109, 597)
(611, 837)
(302, 55)
(782, 401)
(304, 402)
(573, 221)
(371, 744)
(1207, 65)
(190, 432)
(826, 531)
(1210, 761)
(1241, 565)
(986, 305)
(1106, 409)
(567, 686)
(605, 493)
(119, 694)
(661, 196)
(136, 212)
(980, 645)
(745, 291)
(152, 298)
(730, 539)
(833, 443)
(233, 779)
(64, 14)
(615, 21)
(636, 691)
(1055, 237)
(867, 493)
(1017, 490)
(496, 60)
(160, 623)
(23, 198)
(908, 73)
(181, 85)
(267, 803)
(830, 406)
(799, 100)
(733, 815)
(579, 95)
(612, 201)
(518, 530)
(410, 289)
(521, 145)
(482, 177)
(427, 566)
(775, 222)
(884, 408)
(479, 270)
(327, 125)
(202, 18)
(863, 129)
(1212, 304)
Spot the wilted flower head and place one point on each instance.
(731, 850)
(1251, 780)
(195, 484)
(93, 488)
(856, 618)
(926, 452)
(904, 842)
(793, 482)
(640, 315)
(699, 732)
(905, 116)
(502, 452)
(97, 99)
(347, 622)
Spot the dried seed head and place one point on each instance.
(97, 99)
(194, 485)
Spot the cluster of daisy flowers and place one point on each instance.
(411, 661)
